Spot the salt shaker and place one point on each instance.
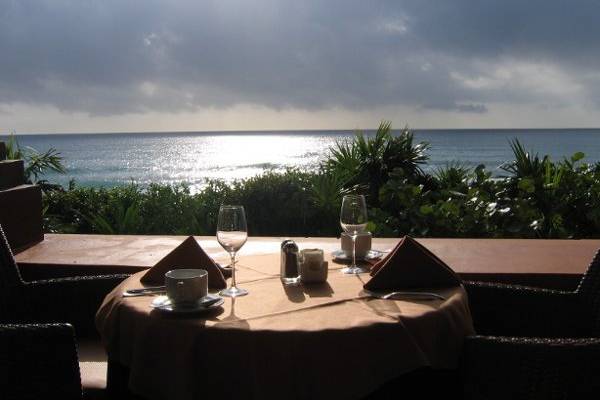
(290, 268)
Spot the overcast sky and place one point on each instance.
(122, 65)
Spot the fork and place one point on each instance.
(422, 295)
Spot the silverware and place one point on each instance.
(147, 291)
(127, 294)
(399, 294)
(164, 303)
(210, 302)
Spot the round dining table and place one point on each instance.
(328, 340)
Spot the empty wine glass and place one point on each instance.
(353, 219)
(232, 233)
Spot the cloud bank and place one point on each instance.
(463, 58)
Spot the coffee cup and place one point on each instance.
(186, 287)
(363, 244)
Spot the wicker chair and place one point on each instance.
(498, 368)
(512, 310)
(74, 299)
(542, 344)
(38, 361)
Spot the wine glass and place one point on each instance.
(353, 219)
(232, 233)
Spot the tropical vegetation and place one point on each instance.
(537, 197)
(36, 163)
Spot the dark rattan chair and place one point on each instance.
(74, 300)
(38, 361)
(540, 343)
(499, 368)
(512, 310)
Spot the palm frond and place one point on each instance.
(36, 163)
(452, 175)
(13, 150)
(525, 164)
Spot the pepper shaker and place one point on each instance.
(290, 264)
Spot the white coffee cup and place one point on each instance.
(186, 286)
(363, 244)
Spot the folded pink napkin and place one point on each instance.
(188, 254)
(410, 265)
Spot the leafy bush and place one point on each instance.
(538, 198)
(366, 163)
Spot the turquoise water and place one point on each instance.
(170, 157)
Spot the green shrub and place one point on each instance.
(367, 162)
(538, 198)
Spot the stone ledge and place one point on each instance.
(21, 216)
(556, 264)
(12, 173)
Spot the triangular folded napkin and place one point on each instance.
(188, 254)
(408, 266)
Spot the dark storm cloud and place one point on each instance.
(114, 57)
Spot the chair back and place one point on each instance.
(12, 287)
(589, 290)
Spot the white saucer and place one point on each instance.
(371, 255)
(163, 303)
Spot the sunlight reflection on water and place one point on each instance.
(116, 159)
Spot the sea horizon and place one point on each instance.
(5, 135)
(112, 159)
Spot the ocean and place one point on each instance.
(193, 157)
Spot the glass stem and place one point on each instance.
(233, 283)
(354, 250)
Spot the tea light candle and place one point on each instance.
(313, 267)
